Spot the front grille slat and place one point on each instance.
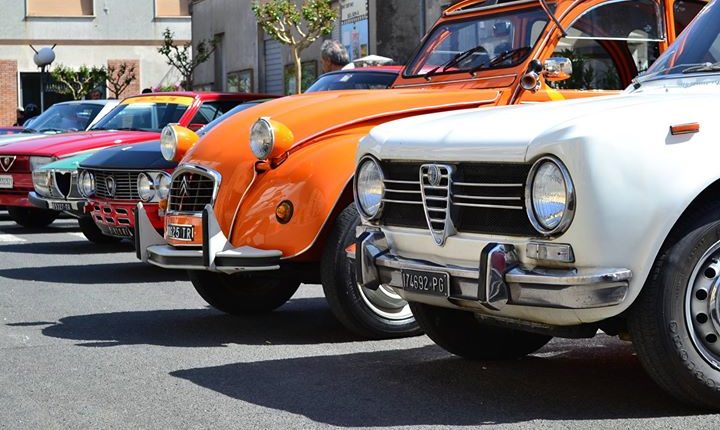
(190, 191)
(125, 184)
(485, 198)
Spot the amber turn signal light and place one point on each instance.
(677, 130)
(284, 212)
(163, 204)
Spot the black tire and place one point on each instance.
(348, 303)
(93, 233)
(461, 333)
(664, 339)
(32, 217)
(241, 294)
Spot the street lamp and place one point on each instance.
(43, 58)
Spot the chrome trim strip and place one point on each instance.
(472, 184)
(409, 202)
(477, 205)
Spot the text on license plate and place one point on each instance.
(6, 181)
(433, 283)
(60, 206)
(181, 232)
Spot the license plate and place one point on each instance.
(119, 231)
(6, 181)
(60, 206)
(431, 283)
(181, 232)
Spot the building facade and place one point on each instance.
(248, 60)
(85, 32)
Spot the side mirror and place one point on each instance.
(557, 69)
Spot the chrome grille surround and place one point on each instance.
(192, 188)
(58, 187)
(484, 198)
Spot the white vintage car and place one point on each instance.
(505, 227)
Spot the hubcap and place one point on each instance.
(386, 303)
(702, 306)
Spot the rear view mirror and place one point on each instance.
(557, 69)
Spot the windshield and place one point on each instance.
(353, 80)
(484, 42)
(66, 117)
(142, 116)
(698, 45)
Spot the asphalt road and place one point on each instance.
(90, 338)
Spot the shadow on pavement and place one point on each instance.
(426, 386)
(100, 274)
(78, 247)
(300, 321)
(64, 227)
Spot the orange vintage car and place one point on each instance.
(264, 202)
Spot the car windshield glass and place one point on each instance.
(353, 80)
(697, 50)
(226, 115)
(142, 116)
(66, 117)
(484, 42)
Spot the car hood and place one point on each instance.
(62, 145)
(518, 133)
(140, 156)
(68, 163)
(19, 137)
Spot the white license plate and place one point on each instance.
(181, 232)
(430, 283)
(60, 206)
(6, 181)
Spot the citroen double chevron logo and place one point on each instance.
(184, 192)
(6, 162)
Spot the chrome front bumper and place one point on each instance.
(216, 254)
(496, 283)
(73, 207)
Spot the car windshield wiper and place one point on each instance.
(454, 60)
(504, 56)
(56, 130)
(707, 67)
(29, 130)
(639, 80)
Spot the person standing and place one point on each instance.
(333, 56)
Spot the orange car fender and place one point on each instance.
(313, 180)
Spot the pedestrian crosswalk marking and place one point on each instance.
(11, 238)
(76, 234)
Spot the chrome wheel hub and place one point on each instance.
(702, 306)
(385, 303)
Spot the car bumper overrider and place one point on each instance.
(215, 254)
(74, 207)
(499, 284)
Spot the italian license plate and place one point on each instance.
(431, 283)
(6, 181)
(181, 232)
(60, 206)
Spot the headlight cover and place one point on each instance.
(550, 196)
(41, 182)
(86, 184)
(38, 162)
(162, 185)
(369, 188)
(145, 187)
(262, 138)
(168, 143)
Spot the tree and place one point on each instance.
(298, 29)
(78, 83)
(183, 59)
(119, 77)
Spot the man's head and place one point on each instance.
(333, 56)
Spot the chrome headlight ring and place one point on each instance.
(168, 142)
(369, 210)
(146, 187)
(568, 194)
(86, 184)
(262, 138)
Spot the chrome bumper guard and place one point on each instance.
(498, 282)
(76, 206)
(216, 254)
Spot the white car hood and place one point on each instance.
(506, 133)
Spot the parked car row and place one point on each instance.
(452, 203)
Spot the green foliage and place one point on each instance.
(183, 58)
(297, 28)
(120, 77)
(78, 83)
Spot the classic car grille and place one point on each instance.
(64, 185)
(486, 198)
(125, 184)
(191, 191)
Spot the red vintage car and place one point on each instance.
(136, 119)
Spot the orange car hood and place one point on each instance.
(309, 116)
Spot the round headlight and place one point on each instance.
(551, 196)
(262, 138)
(168, 143)
(86, 184)
(369, 188)
(162, 185)
(146, 188)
